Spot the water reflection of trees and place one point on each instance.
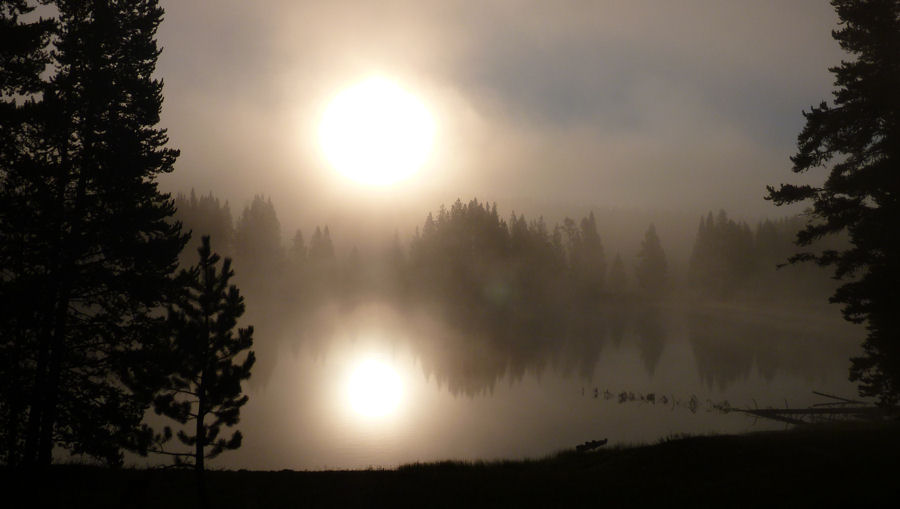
(727, 345)
(471, 361)
(506, 297)
(651, 336)
(733, 344)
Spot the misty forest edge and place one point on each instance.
(95, 305)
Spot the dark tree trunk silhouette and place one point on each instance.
(92, 243)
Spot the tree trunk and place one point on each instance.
(16, 401)
(42, 413)
(199, 466)
(57, 347)
(39, 404)
(36, 404)
(198, 446)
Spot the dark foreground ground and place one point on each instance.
(829, 466)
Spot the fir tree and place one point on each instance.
(618, 279)
(89, 243)
(857, 138)
(587, 261)
(204, 388)
(201, 216)
(722, 259)
(258, 251)
(321, 249)
(297, 252)
(651, 267)
(321, 266)
(23, 55)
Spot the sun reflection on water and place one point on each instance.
(374, 388)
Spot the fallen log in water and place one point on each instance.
(845, 410)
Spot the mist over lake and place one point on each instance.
(440, 253)
(498, 347)
(465, 403)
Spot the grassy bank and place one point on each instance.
(829, 465)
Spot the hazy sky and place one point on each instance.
(688, 105)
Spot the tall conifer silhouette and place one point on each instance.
(93, 244)
(856, 138)
(204, 388)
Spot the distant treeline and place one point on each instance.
(731, 261)
(469, 260)
(521, 292)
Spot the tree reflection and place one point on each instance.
(481, 298)
(651, 336)
(731, 344)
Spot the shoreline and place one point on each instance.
(852, 463)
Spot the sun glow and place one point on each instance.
(376, 132)
(374, 389)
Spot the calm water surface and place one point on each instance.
(466, 398)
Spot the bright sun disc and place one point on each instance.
(374, 389)
(376, 132)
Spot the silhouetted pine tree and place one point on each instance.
(702, 254)
(768, 246)
(204, 388)
(296, 272)
(321, 249)
(859, 138)
(201, 216)
(587, 261)
(257, 246)
(23, 55)
(95, 241)
(297, 252)
(722, 260)
(651, 267)
(592, 256)
(456, 261)
(322, 265)
(618, 278)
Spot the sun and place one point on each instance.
(374, 389)
(376, 132)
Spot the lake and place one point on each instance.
(467, 397)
